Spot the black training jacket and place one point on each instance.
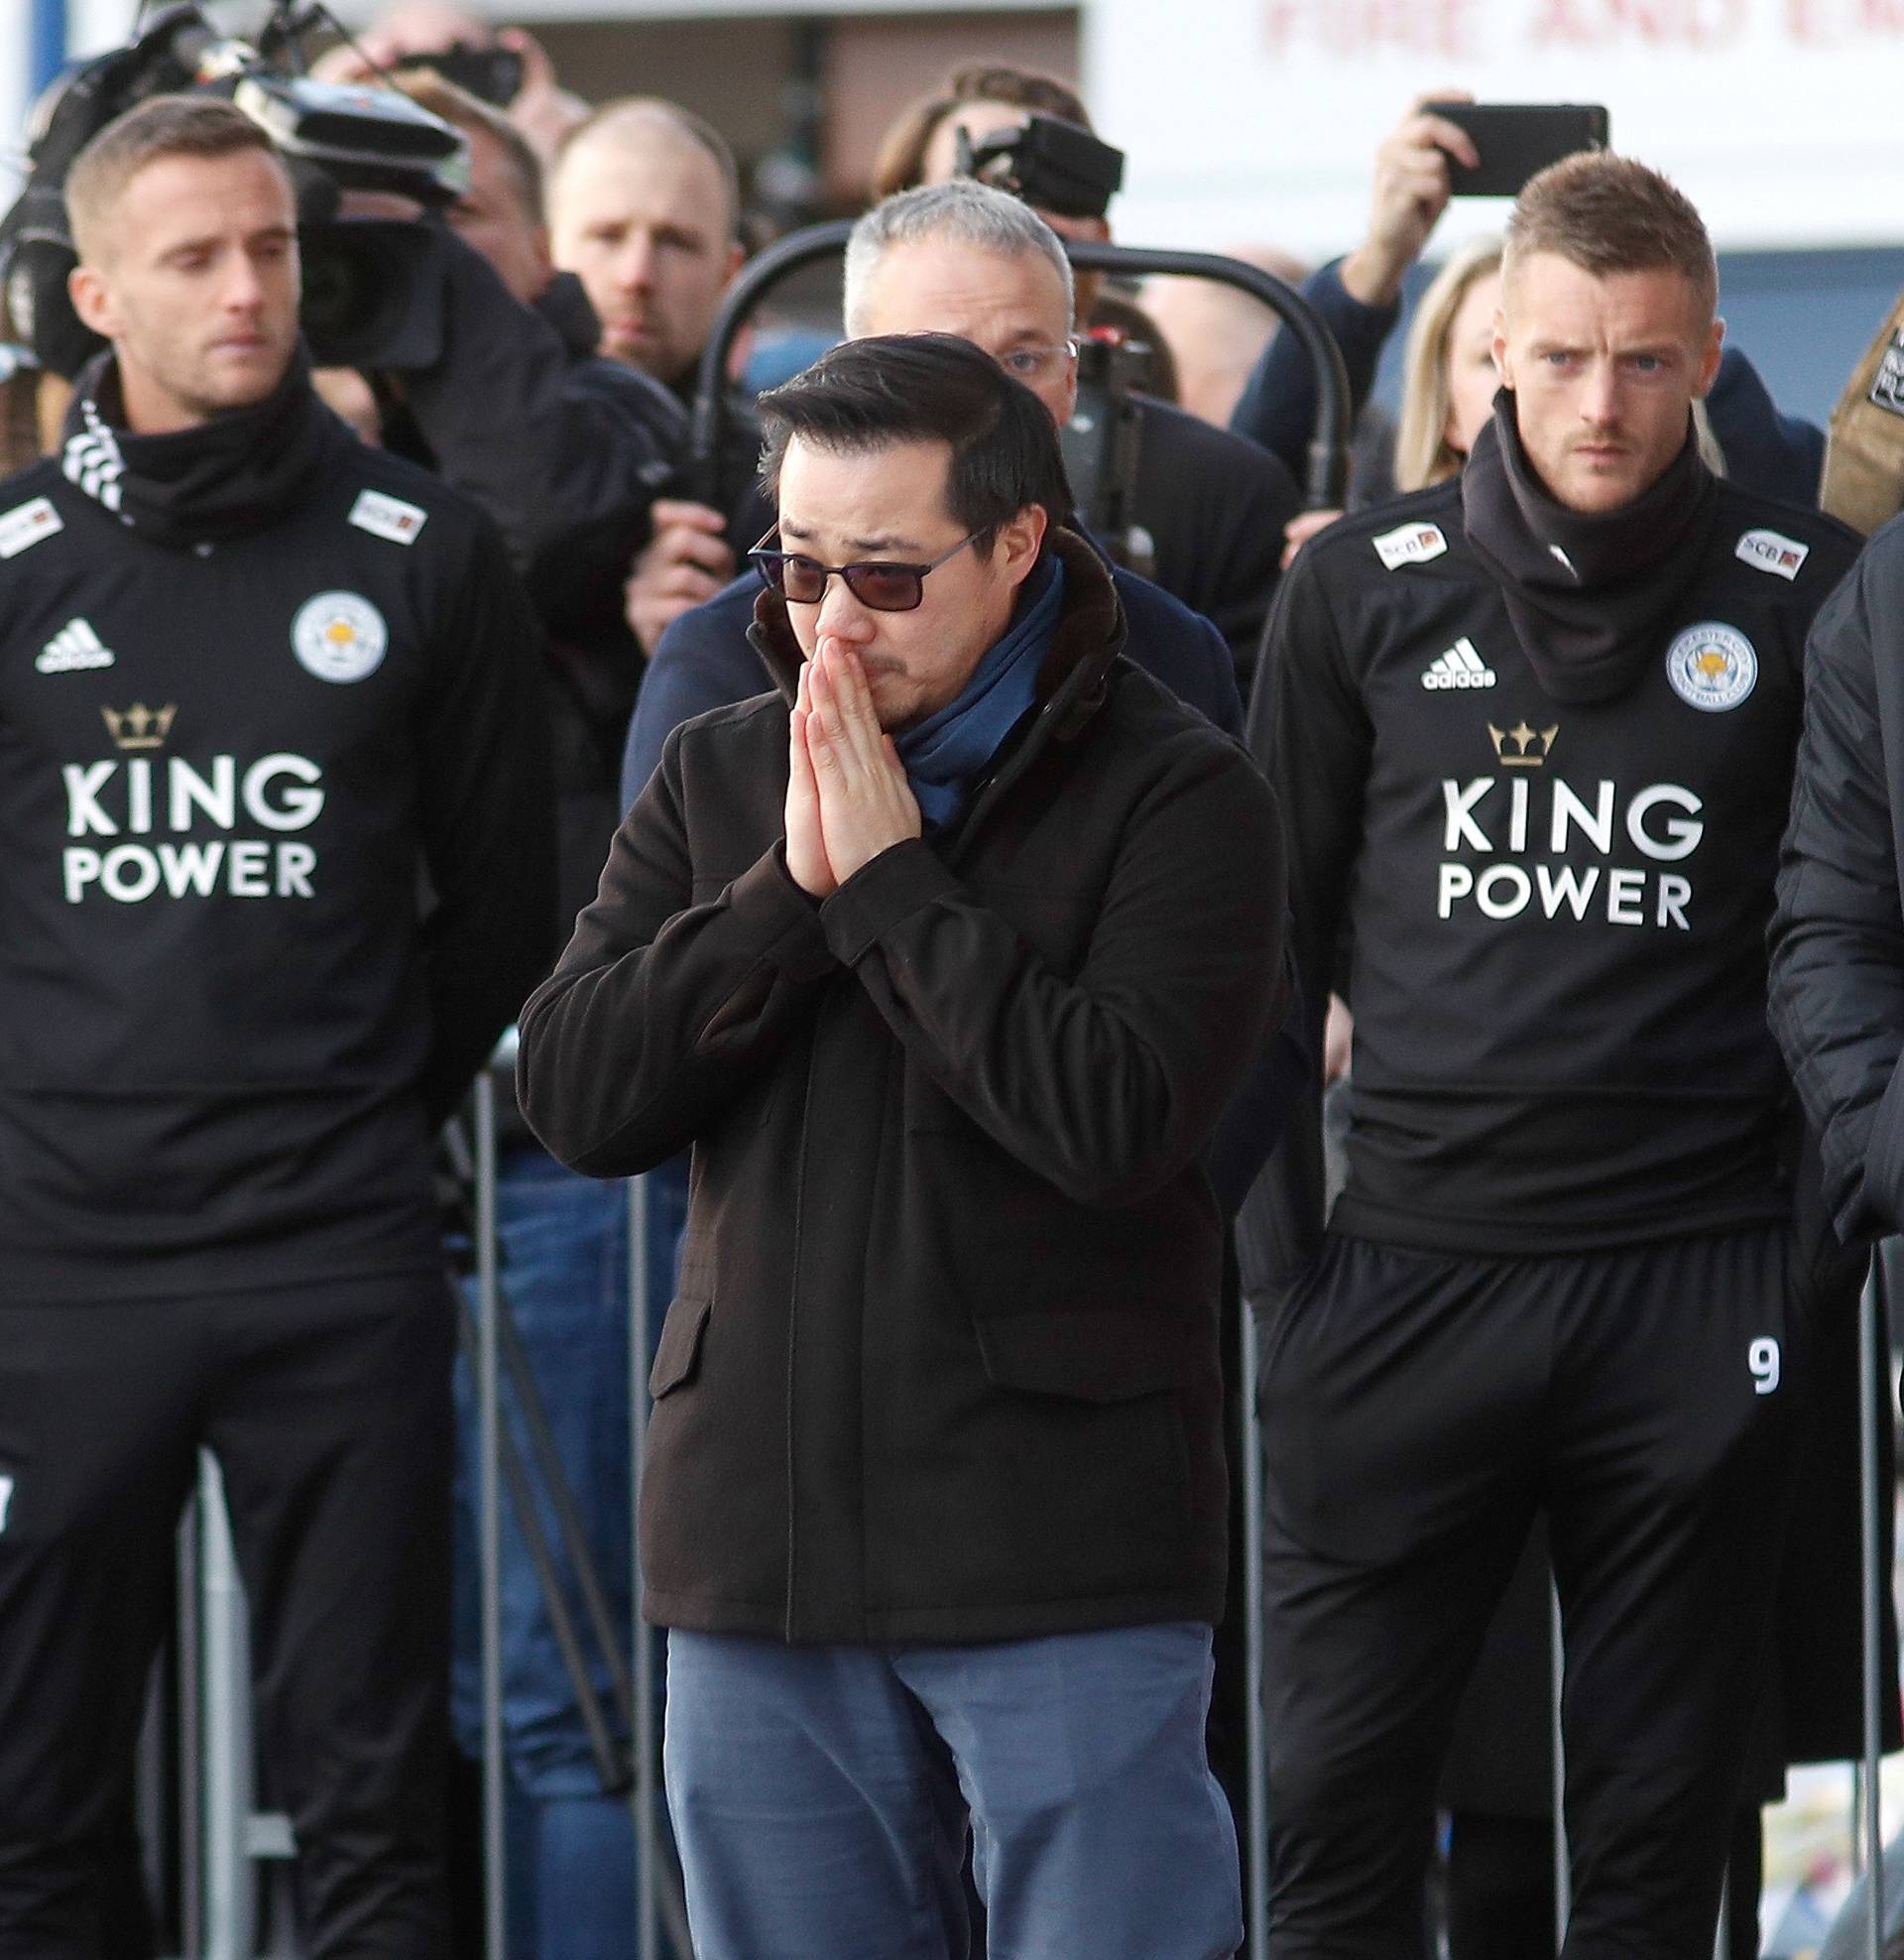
(944, 1363)
(275, 852)
(1837, 941)
(1556, 911)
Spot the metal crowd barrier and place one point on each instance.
(662, 1916)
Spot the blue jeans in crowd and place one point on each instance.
(564, 1273)
(821, 1798)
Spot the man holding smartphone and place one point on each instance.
(1533, 731)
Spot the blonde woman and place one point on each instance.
(1448, 367)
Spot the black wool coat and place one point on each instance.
(943, 1365)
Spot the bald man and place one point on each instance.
(644, 207)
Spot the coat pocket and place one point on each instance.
(679, 1352)
(1083, 1356)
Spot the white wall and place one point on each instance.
(15, 98)
(1257, 119)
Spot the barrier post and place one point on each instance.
(1256, 1804)
(225, 1733)
(1563, 1869)
(490, 1526)
(640, 1311)
(1872, 1373)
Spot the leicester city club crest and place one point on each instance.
(1712, 666)
(338, 636)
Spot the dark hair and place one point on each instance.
(1609, 215)
(894, 388)
(900, 163)
(162, 126)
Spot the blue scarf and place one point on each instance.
(947, 750)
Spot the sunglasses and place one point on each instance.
(877, 583)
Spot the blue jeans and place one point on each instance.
(821, 1796)
(564, 1273)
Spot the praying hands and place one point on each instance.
(846, 795)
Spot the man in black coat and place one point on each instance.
(933, 958)
(1837, 941)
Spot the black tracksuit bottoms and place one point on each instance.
(327, 1408)
(1418, 1409)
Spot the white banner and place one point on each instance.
(1257, 119)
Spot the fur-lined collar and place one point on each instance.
(1090, 635)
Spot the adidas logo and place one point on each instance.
(1459, 666)
(74, 649)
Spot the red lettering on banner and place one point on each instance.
(1655, 23)
(1840, 23)
(1354, 30)
(1565, 22)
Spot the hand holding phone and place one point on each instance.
(1515, 140)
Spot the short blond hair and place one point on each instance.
(160, 127)
(637, 113)
(1609, 215)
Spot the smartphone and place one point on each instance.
(1517, 139)
(493, 75)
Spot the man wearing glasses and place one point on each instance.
(928, 955)
(953, 258)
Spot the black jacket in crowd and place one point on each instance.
(260, 686)
(1216, 507)
(1837, 941)
(566, 452)
(1551, 858)
(943, 1364)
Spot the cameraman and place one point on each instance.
(225, 1054)
(1214, 505)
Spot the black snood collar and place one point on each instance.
(227, 476)
(1584, 591)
